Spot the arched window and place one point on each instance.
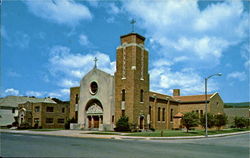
(159, 114)
(123, 95)
(76, 99)
(141, 98)
(163, 114)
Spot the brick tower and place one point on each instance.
(132, 80)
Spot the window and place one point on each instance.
(13, 110)
(36, 120)
(60, 120)
(141, 99)
(49, 109)
(123, 95)
(63, 110)
(201, 113)
(159, 114)
(171, 115)
(37, 108)
(123, 112)
(49, 120)
(76, 115)
(93, 87)
(76, 99)
(163, 114)
(113, 118)
(149, 112)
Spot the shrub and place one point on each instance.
(190, 119)
(24, 125)
(67, 124)
(210, 121)
(122, 124)
(220, 120)
(240, 122)
(15, 124)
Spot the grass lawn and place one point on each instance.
(176, 133)
(104, 133)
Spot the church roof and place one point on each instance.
(192, 98)
(98, 71)
(13, 101)
(161, 96)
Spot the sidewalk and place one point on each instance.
(84, 134)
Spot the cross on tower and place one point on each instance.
(95, 60)
(133, 24)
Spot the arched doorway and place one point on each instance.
(94, 112)
(141, 122)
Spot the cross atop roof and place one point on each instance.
(95, 60)
(133, 24)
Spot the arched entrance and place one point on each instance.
(94, 112)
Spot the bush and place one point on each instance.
(122, 124)
(190, 119)
(220, 120)
(9, 126)
(240, 122)
(210, 121)
(67, 124)
(15, 124)
(24, 125)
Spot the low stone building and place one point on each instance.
(43, 115)
(9, 107)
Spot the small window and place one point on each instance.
(159, 114)
(113, 118)
(76, 99)
(36, 120)
(201, 113)
(63, 110)
(123, 94)
(171, 114)
(123, 112)
(49, 109)
(37, 108)
(141, 99)
(61, 120)
(13, 110)
(197, 111)
(49, 120)
(163, 114)
(76, 115)
(149, 112)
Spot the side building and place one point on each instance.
(43, 115)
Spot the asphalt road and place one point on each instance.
(21, 145)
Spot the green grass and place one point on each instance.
(177, 133)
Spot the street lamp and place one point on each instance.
(218, 74)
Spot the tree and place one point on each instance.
(122, 124)
(220, 120)
(240, 122)
(190, 119)
(210, 120)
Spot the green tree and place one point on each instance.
(210, 120)
(190, 119)
(240, 122)
(220, 120)
(122, 124)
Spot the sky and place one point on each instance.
(47, 46)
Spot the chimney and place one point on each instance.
(176, 92)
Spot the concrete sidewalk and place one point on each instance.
(84, 134)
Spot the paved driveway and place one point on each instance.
(23, 145)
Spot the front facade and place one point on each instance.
(102, 98)
(43, 115)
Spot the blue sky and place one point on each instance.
(48, 46)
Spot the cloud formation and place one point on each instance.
(60, 11)
(11, 91)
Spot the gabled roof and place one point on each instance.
(193, 98)
(96, 70)
(161, 96)
(13, 101)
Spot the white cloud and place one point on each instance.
(60, 11)
(83, 40)
(245, 54)
(241, 76)
(35, 93)
(180, 28)
(11, 91)
(68, 83)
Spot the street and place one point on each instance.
(23, 145)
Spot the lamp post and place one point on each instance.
(206, 79)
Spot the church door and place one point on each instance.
(141, 122)
(96, 121)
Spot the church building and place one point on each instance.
(102, 98)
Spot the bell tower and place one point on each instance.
(132, 80)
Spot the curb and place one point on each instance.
(123, 137)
